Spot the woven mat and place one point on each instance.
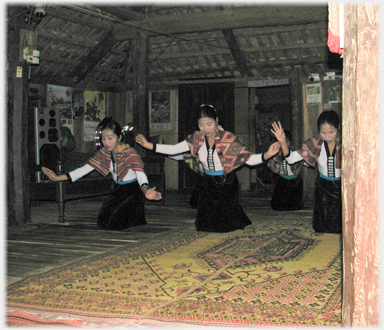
(270, 274)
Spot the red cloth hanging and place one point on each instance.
(334, 43)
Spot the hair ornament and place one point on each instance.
(98, 138)
(208, 105)
(127, 128)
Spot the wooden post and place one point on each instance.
(19, 210)
(60, 192)
(140, 93)
(296, 106)
(360, 166)
(310, 114)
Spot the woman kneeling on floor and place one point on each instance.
(124, 207)
(220, 153)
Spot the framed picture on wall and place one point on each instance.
(60, 97)
(94, 112)
(313, 93)
(160, 110)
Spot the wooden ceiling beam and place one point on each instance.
(251, 32)
(67, 40)
(55, 11)
(241, 18)
(227, 51)
(76, 43)
(237, 54)
(122, 12)
(94, 57)
(215, 71)
(128, 67)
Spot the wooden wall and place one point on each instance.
(360, 164)
(16, 162)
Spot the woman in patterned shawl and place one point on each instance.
(220, 153)
(323, 150)
(124, 207)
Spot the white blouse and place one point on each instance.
(322, 162)
(131, 175)
(286, 170)
(183, 146)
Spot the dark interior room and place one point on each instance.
(110, 112)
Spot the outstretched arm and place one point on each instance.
(168, 149)
(53, 176)
(278, 131)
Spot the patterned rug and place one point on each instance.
(269, 274)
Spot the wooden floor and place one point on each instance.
(45, 244)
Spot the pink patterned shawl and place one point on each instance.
(127, 159)
(275, 163)
(231, 151)
(310, 151)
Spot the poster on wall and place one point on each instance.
(60, 97)
(94, 112)
(35, 92)
(78, 104)
(313, 92)
(160, 110)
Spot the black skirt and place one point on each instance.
(123, 208)
(218, 208)
(287, 194)
(327, 214)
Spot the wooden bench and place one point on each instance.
(92, 185)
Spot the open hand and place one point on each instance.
(50, 174)
(152, 194)
(278, 131)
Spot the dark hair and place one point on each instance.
(128, 134)
(114, 127)
(328, 117)
(206, 111)
(288, 135)
(106, 123)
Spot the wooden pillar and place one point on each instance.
(360, 165)
(310, 114)
(19, 211)
(140, 93)
(297, 106)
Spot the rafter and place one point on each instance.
(252, 16)
(237, 54)
(94, 57)
(123, 13)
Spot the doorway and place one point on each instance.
(272, 103)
